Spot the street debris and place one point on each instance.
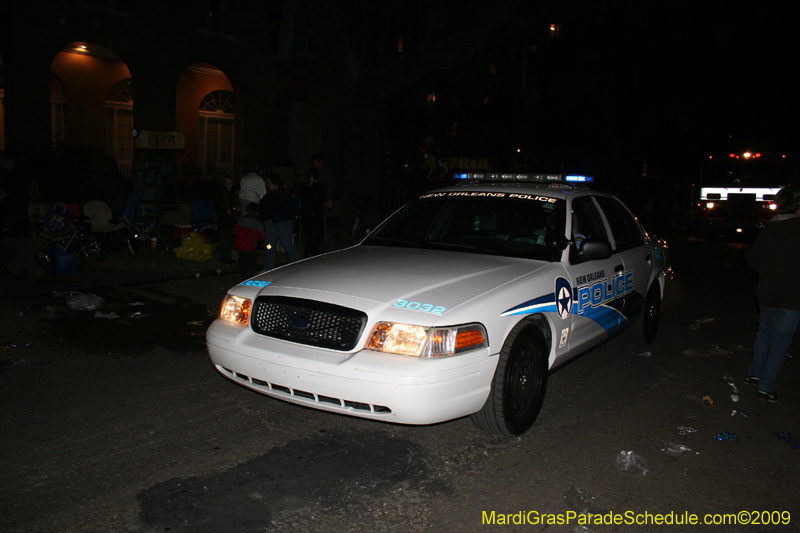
(727, 435)
(700, 322)
(84, 302)
(716, 350)
(632, 462)
(787, 437)
(112, 314)
(10, 345)
(673, 449)
(581, 501)
(683, 430)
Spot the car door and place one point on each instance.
(598, 284)
(629, 242)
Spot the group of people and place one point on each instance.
(262, 213)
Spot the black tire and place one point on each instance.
(518, 386)
(645, 326)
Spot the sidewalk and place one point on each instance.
(118, 269)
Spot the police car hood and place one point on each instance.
(388, 274)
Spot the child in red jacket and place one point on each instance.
(247, 234)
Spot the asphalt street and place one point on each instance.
(122, 425)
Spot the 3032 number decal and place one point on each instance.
(417, 306)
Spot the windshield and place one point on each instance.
(505, 224)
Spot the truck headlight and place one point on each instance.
(419, 341)
(235, 309)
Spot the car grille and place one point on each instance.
(307, 322)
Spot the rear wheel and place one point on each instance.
(518, 385)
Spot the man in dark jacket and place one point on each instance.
(775, 255)
(276, 211)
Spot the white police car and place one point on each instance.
(458, 304)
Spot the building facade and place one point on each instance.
(232, 76)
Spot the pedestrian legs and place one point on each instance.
(776, 329)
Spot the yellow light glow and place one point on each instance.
(710, 205)
(747, 155)
(403, 339)
(235, 309)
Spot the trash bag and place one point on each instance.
(196, 247)
(84, 302)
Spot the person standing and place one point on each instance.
(252, 188)
(248, 234)
(226, 206)
(277, 214)
(775, 255)
(312, 212)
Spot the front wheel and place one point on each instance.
(645, 326)
(518, 385)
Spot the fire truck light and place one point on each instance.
(733, 155)
(748, 155)
(739, 230)
(710, 205)
(773, 207)
(758, 154)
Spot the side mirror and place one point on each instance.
(557, 241)
(591, 249)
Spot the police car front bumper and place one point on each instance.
(366, 384)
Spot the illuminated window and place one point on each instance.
(119, 108)
(217, 117)
(555, 31)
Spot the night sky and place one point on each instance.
(628, 82)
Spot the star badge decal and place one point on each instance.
(563, 294)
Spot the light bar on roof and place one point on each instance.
(541, 178)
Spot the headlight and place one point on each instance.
(235, 309)
(418, 341)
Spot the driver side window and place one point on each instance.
(587, 223)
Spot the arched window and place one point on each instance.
(119, 106)
(217, 114)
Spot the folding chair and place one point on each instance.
(142, 224)
(202, 217)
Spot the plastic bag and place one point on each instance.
(632, 462)
(84, 302)
(673, 449)
(581, 501)
(196, 247)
